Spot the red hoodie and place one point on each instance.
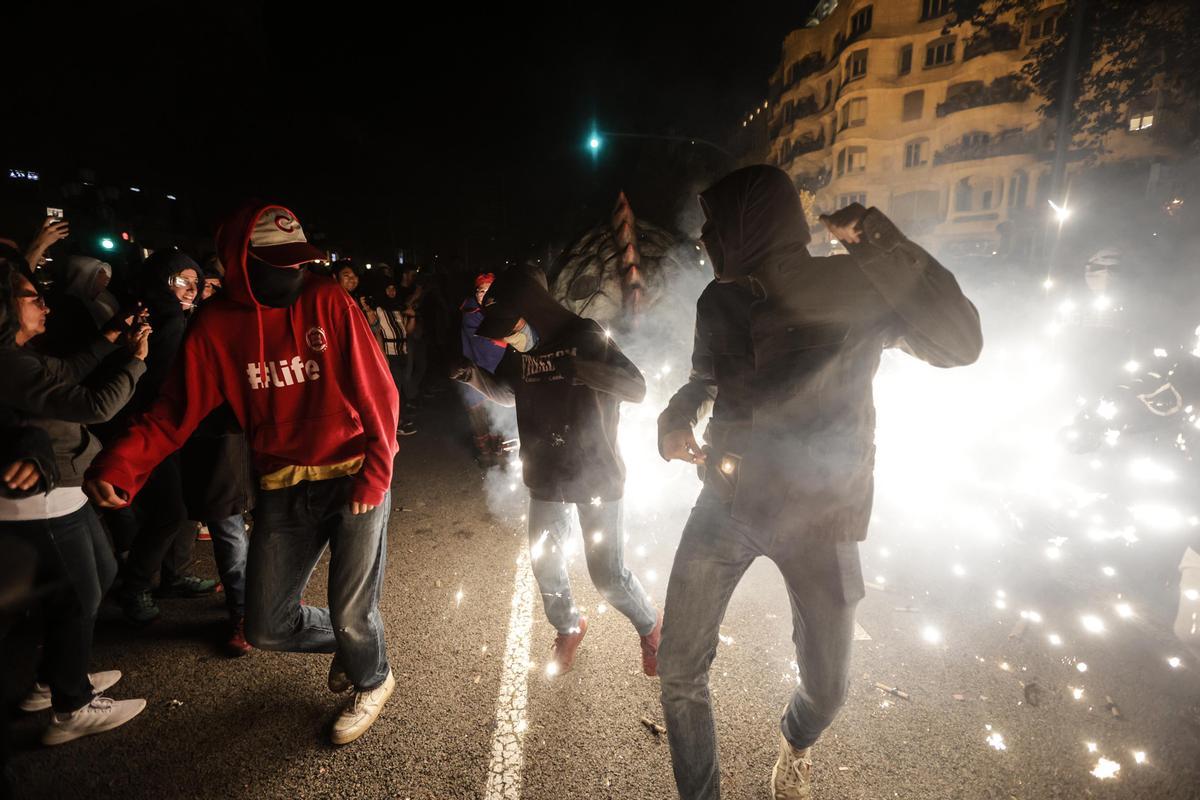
(308, 384)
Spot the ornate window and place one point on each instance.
(914, 106)
(939, 53)
(856, 65)
(916, 153)
(860, 23)
(934, 8)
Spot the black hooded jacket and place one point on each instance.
(567, 391)
(789, 351)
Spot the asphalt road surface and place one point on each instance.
(985, 710)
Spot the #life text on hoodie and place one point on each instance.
(307, 383)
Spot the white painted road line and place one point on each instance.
(860, 634)
(508, 758)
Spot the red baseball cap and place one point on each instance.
(278, 239)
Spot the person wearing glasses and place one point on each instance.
(53, 517)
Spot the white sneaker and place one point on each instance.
(39, 699)
(102, 714)
(791, 778)
(362, 711)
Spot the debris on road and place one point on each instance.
(962, 698)
(1112, 707)
(175, 703)
(653, 727)
(1036, 694)
(892, 690)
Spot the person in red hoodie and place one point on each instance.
(294, 358)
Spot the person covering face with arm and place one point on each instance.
(937, 323)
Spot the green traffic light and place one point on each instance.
(107, 243)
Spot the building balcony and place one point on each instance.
(811, 64)
(814, 182)
(804, 146)
(998, 38)
(1009, 143)
(960, 97)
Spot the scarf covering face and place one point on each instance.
(276, 287)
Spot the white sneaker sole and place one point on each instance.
(101, 682)
(58, 734)
(348, 735)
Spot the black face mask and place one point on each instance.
(276, 287)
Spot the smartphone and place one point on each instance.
(55, 213)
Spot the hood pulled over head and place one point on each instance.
(155, 278)
(519, 294)
(263, 241)
(754, 214)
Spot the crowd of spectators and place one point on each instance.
(83, 353)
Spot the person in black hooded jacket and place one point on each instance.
(786, 348)
(567, 379)
(155, 527)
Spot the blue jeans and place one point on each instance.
(230, 547)
(76, 563)
(549, 527)
(824, 584)
(292, 526)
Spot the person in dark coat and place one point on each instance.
(155, 527)
(567, 379)
(73, 562)
(785, 352)
(218, 490)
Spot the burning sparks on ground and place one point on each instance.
(1106, 769)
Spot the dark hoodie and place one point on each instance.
(789, 350)
(567, 391)
(306, 382)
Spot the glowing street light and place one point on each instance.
(1061, 213)
(107, 243)
(594, 143)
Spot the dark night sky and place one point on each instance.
(463, 134)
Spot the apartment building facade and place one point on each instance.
(873, 102)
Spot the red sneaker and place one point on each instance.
(565, 645)
(237, 644)
(650, 648)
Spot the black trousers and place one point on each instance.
(156, 529)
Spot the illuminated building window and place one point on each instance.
(1141, 121)
(860, 23)
(854, 113)
(905, 60)
(939, 53)
(962, 195)
(1045, 26)
(914, 105)
(934, 8)
(1018, 189)
(855, 197)
(916, 153)
(856, 65)
(851, 159)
